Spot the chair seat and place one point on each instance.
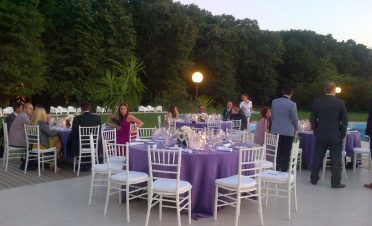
(53, 149)
(104, 167)
(275, 176)
(117, 159)
(169, 185)
(232, 182)
(266, 164)
(134, 177)
(299, 150)
(361, 150)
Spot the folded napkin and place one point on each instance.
(136, 143)
(222, 148)
(227, 145)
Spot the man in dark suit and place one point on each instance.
(369, 133)
(329, 122)
(284, 122)
(227, 112)
(18, 108)
(85, 119)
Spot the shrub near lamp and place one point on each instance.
(197, 78)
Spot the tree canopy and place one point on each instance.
(55, 51)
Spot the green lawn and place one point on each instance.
(151, 119)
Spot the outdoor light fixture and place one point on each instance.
(197, 78)
(338, 90)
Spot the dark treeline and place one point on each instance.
(55, 50)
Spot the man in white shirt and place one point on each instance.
(246, 106)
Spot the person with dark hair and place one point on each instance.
(17, 136)
(238, 114)
(284, 122)
(227, 112)
(123, 124)
(369, 133)
(201, 109)
(329, 122)
(246, 106)
(262, 126)
(18, 108)
(173, 112)
(85, 119)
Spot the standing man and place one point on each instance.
(329, 122)
(18, 108)
(369, 133)
(17, 136)
(85, 119)
(227, 112)
(285, 123)
(246, 106)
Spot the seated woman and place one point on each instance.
(262, 126)
(48, 138)
(123, 124)
(171, 115)
(238, 114)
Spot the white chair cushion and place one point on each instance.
(275, 176)
(44, 150)
(232, 182)
(266, 164)
(104, 167)
(361, 150)
(169, 185)
(118, 159)
(134, 177)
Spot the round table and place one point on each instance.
(63, 136)
(224, 124)
(201, 169)
(307, 143)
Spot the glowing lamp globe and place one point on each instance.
(197, 77)
(338, 90)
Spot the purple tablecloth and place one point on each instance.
(224, 124)
(307, 143)
(200, 169)
(63, 136)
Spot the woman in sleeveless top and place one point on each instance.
(123, 124)
(262, 126)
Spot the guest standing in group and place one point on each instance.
(238, 114)
(369, 133)
(48, 138)
(123, 124)
(285, 123)
(262, 126)
(329, 122)
(18, 108)
(246, 106)
(227, 112)
(17, 136)
(85, 119)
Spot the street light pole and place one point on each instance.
(197, 78)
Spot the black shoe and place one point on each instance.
(339, 186)
(313, 182)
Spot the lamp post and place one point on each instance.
(338, 90)
(197, 78)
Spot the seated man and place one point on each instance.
(238, 114)
(201, 109)
(85, 119)
(227, 112)
(17, 136)
(18, 108)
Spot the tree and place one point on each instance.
(22, 60)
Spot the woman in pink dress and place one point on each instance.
(123, 125)
(262, 126)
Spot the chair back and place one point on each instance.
(248, 159)
(145, 133)
(236, 124)
(84, 138)
(164, 163)
(214, 125)
(237, 135)
(293, 160)
(271, 145)
(32, 136)
(113, 150)
(109, 135)
(6, 136)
